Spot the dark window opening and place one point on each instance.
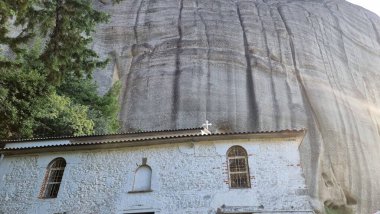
(238, 169)
(53, 178)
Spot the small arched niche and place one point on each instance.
(143, 179)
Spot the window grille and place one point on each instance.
(53, 178)
(238, 167)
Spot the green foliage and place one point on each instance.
(102, 109)
(45, 70)
(20, 94)
(60, 116)
(66, 26)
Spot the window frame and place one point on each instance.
(246, 172)
(48, 185)
(134, 189)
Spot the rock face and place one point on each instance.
(258, 65)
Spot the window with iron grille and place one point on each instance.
(53, 178)
(238, 167)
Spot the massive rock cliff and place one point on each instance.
(257, 65)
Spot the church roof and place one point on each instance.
(73, 143)
(94, 135)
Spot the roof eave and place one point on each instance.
(296, 134)
(101, 136)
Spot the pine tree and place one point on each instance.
(44, 45)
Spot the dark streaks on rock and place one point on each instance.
(276, 108)
(136, 25)
(177, 74)
(312, 119)
(208, 59)
(253, 115)
(127, 78)
(293, 117)
(298, 74)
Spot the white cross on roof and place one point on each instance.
(207, 124)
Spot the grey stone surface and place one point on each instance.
(257, 65)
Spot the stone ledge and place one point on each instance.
(141, 191)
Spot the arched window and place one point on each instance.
(53, 178)
(143, 179)
(238, 169)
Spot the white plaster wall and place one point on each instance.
(186, 178)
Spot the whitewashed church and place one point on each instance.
(158, 172)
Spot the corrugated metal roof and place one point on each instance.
(94, 135)
(142, 139)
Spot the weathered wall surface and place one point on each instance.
(186, 178)
(258, 65)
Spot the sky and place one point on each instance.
(372, 5)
